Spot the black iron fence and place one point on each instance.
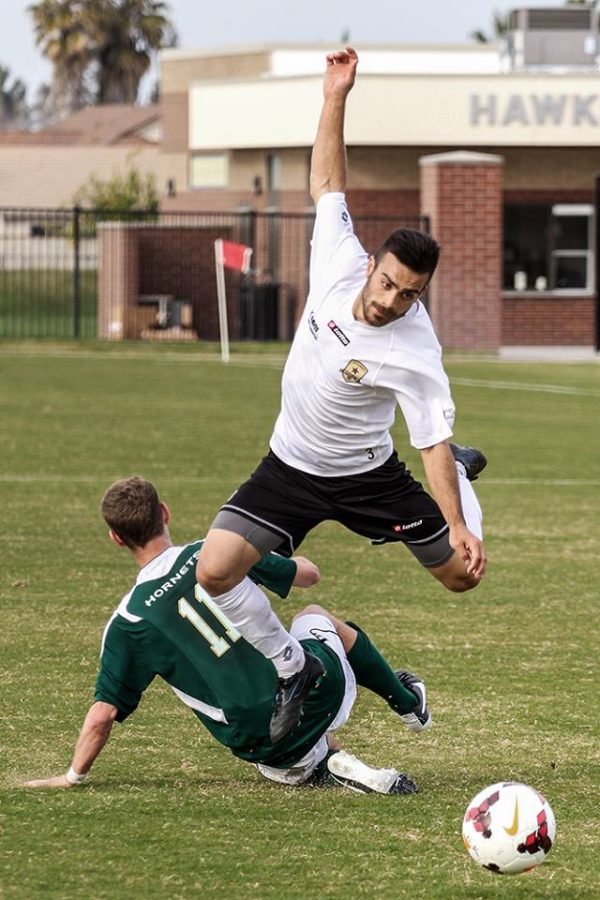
(57, 266)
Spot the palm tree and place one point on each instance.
(499, 29)
(14, 112)
(125, 35)
(60, 33)
(99, 49)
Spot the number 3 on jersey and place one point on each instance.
(217, 644)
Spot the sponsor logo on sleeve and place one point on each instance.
(312, 325)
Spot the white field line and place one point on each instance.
(276, 361)
(527, 386)
(190, 479)
(100, 479)
(268, 360)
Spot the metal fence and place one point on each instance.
(50, 263)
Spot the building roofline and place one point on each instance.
(317, 77)
(179, 53)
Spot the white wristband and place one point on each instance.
(74, 777)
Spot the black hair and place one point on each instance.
(416, 250)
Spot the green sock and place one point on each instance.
(374, 672)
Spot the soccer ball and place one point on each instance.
(509, 828)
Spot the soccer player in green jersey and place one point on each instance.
(167, 625)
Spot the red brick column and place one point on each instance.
(461, 192)
(118, 276)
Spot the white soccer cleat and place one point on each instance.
(350, 772)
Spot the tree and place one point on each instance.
(41, 113)
(125, 35)
(99, 49)
(60, 32)
(499, 29)
(13, 102)
(124, 192)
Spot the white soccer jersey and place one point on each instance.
(343, 378)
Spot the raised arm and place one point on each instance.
(94, 734)
(328, 161)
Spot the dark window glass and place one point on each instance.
(570, 232)
(526, 245)
(570, 272)
(541, 247)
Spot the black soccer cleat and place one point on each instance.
(349, 772)
(291, 694)
(418, 718)
(472, 459)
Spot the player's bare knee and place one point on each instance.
(454, 576)
(313, 609)
(459, 584)
(213, 578)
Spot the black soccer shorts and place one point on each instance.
(279, 505)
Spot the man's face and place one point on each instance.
(390, 291)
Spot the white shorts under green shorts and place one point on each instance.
(321, 628)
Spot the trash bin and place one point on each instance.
(259, 312)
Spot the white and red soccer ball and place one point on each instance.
(509, 828)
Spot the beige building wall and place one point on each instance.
(179, 69)
(47, 176)
(295, 167)
(397, 168)
(178, 72)
(549, 168)
(244, 166)
(433, 110)
(172, 167)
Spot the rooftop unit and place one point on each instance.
(553, 38)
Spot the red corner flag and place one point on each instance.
(231, 256)
(235, 256)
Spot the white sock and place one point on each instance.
(470, 503)
(249, 610)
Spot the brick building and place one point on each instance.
(498, 145)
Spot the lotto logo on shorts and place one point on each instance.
(409, 526)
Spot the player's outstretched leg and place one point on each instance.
(403, 692)
(344, 769)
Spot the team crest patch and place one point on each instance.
(354, 372)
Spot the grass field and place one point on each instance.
(511, 668)
(38, 303)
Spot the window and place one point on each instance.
(571, 253)
(209, 170)
(548, 247)
(273, 172)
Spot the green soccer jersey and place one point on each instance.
(166, 625)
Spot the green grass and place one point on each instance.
(38, 303)
(168, 812)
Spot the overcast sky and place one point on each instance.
(200, 24)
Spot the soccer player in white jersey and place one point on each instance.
(166, 626)
(364, 345)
